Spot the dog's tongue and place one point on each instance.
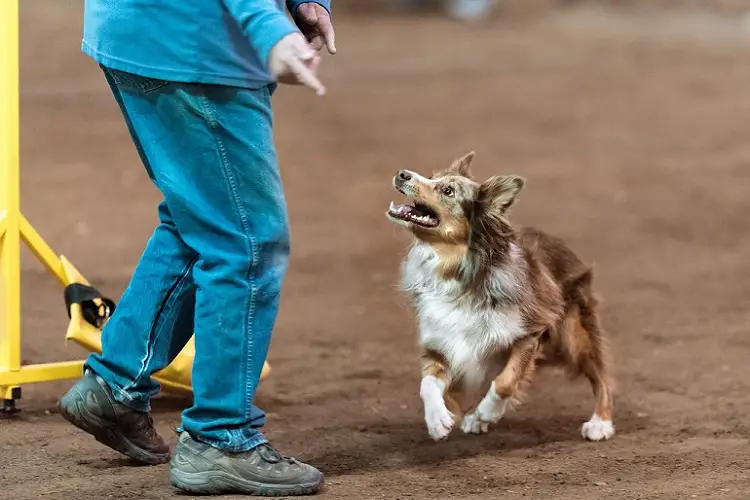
(404, 210)
(411, 214)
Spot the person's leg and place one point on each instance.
(153, 322)
(154, 319)
(218, 172)
(232, 211)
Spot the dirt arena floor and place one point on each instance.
(631, 128)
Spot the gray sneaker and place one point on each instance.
(202, 469)
(90, 406)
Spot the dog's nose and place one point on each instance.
(403, 175)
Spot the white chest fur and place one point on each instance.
(461, 329)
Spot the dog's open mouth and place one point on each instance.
(418, 213)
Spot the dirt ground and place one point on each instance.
(631, 128)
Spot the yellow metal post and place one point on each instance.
(14, 229)
(10, 245)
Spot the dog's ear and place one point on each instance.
(497, 194)
(460, 166)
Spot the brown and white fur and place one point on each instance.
(493, 302)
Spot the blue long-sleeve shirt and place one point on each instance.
(224, 42)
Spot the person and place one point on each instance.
(193, 80)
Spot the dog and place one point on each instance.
(493, 302)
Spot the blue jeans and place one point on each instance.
(216, 261)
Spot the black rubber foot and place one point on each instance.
(8, 407)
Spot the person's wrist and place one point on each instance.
(275, 31)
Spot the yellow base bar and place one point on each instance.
(32, 374)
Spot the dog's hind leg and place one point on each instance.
(593, 364)
(587, 354)
(505, 388)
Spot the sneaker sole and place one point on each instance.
(104, 431)
(219, 482)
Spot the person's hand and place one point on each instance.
(293, 62)
(315, 23)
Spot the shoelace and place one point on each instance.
(146, 425)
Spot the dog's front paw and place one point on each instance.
(490, 411)
(471, 424)
(597, 429)
(492, 408)
(439, 422)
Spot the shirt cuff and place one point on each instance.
(293, 5)
(268, 32)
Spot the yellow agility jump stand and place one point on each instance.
(14, 228)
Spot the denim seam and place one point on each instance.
(182, 282)
(179, 282)
(249, 307)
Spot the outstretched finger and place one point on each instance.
(306, 77)
(325, 28)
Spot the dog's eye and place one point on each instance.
(448, 191)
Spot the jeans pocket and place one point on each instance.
(135, 83)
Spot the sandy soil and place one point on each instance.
(632, 131)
